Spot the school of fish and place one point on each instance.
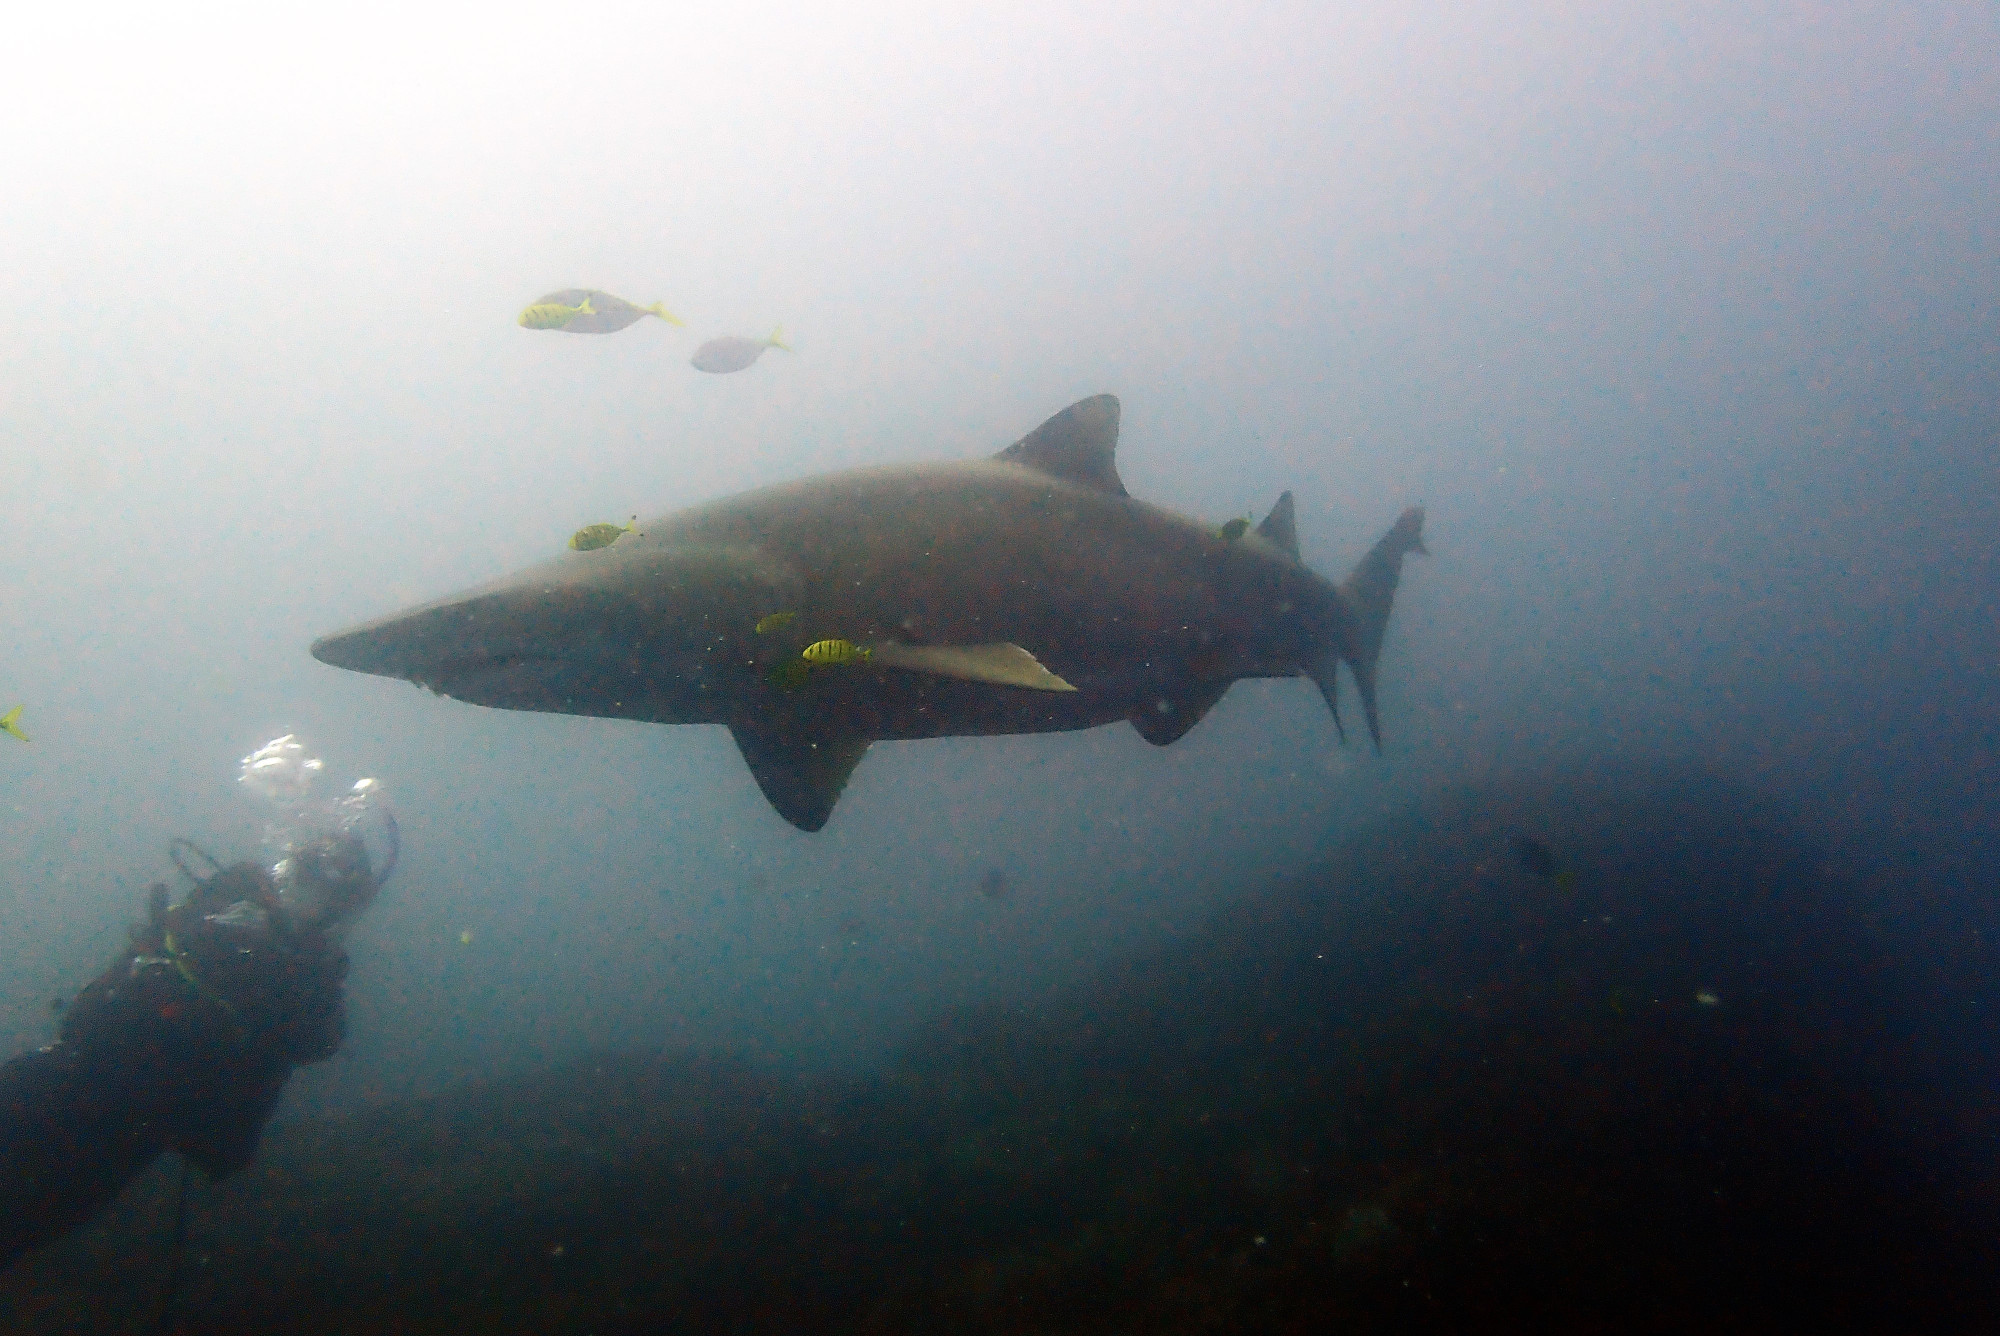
(589, 311)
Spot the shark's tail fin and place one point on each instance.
(1368, 593)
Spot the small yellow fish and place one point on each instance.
(777, 621)
(11, 722)
(465, 938)
(554, 315)
(835, 653)
(1234, 529)
(593, 536)
(1707, 998)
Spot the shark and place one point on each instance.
(1027, 592)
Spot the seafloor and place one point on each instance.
(1664, 1072)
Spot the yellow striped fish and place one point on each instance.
(777, 621)
(554, 315)
(593, 536)
(835, 653)
(790, 675)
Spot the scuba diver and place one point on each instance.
(186, 1040)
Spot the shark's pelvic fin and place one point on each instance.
(1078, 445)
(801, 774)
(1001, 664)
(1368, 593)
(1280, 528)
(1166, 718)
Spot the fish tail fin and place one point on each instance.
(1367, 595)
(660, 309)
(585, 308)
(10, 722)
(1326, 673)
(777, 339)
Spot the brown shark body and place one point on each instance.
(951, 570)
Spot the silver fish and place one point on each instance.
(724, 355)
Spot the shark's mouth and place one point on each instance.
(470, 673)
(512, 682)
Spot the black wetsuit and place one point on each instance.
(183, 1044)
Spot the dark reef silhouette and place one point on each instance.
(1421, 1086)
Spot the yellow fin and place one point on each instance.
(777, 339)
(1000, 663)
(10, 723)
(660, 309)
(585, 308)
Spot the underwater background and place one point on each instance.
(1681, 324)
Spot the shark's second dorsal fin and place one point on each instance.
(1280, 528)
(1078, 445)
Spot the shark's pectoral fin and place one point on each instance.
(801, 774)
(1163, 719)
(1001, 664)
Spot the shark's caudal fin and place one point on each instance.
(1367, 595)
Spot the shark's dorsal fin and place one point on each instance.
(1280, 528)
(1078, 445)
(802, 775)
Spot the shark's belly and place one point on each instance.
(906, 706)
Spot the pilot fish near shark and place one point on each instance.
(1024, 593)
(588, 311)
